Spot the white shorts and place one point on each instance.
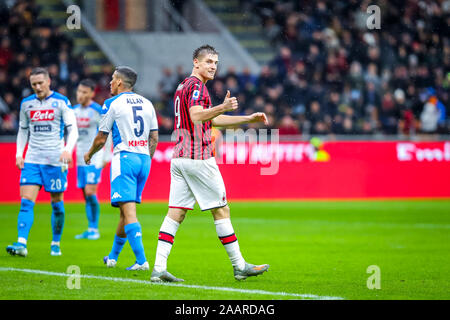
(196, 180)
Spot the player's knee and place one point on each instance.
(27, 197)
(128, 214)
(90, 193)
(221, 213)
(90, 190)
(29, 192)
(176, 214)
(56, 197)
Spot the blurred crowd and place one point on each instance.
(27, 42)
(331, 74)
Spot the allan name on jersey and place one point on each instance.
(134, 101)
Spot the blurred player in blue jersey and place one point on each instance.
(132, 121)
(44, 115)
(88, 114)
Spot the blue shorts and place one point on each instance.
(129, 173)
(48, 176)
(88, 175)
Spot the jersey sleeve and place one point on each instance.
(23, 118)
(196, 95)
(22, 135)
(68, 114)
(98, 116)
(107, 120)
(70, 122)
(154, 119)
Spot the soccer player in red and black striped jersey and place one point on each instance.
(193, 139)
(195, 176)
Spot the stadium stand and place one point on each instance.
(31, 36)
(332, 75)
(323, 71)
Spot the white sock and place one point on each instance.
(166, 236)
(22, 240)
(55, 243)
(226, 235)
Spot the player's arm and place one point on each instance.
(107, 154)
(72, 134)
(153, 135)
(98, 144)
(104, 128)
(153, 142)
(225, 121)
(198, 114)
(22, 138)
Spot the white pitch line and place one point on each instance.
(192, 286)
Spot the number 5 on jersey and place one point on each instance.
(137, 119)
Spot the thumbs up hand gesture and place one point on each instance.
(230, 103)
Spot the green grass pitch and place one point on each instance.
(315, 250)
